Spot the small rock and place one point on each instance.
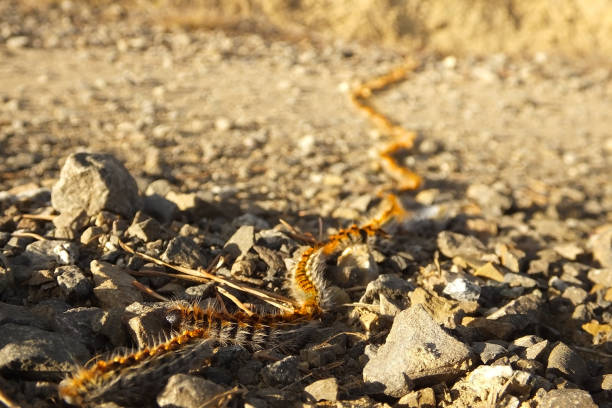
(452, 244)
(492, 201)
(568, 251)
(223, 124)
(462, 289)
(187, 391)
(520, 312)
(146, 323)
(537, 350)
(511, 258)
(284, 371)
(144, 228)
(416, 351)
(184, 251)
(601, 245)
(72, 282)
(326, 389)
(519, 279)
(95, 182)
(355, 266)
(489, 271)
(91, 234)
(489, 351)
(389, 285)
(67, 225)
(566, 362)
(46, 254)
(114, 287)
(425, 398)
(606, 382)
(20, 41)
(575, 295)
(241, 242)
(567, 398)
(160, 207)
(601, 276)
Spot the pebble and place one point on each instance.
(187, 391)
(114, 287)
(185, 252)
(160, 207)
(575, 295)
(241, 242)
(74, 285)
(416, 352)
(564, 361)
(67, 225)
(144, 228)
(146, 323)
(520, 312)
(452, 244)
(389, 285)
(601, 245)
(489, 351)
(325, 389)
(601, 276)
(424, 398)
(492, 201)
(20, 41)
(567, 398)
(47, 254)
(568, 251)
(92, 182)
(511, 258)
(284, 371)
(462, 289)
(355, 266)
(489, 271)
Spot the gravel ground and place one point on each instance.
(496, 291)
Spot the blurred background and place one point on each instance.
(461, 27)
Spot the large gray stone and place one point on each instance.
(416, 352)
(93, 182)
(27, 350)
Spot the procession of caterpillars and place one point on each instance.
(197, 328)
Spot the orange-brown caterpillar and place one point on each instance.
(402, 139)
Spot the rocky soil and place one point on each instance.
(497, 291)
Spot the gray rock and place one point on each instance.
(20, 315)
(72, 282)
(146, 323)
(452, 244)
(326, 389)
(202, 291)
(47, 254)
(601, 276)
(187, 391)
(356, 266)
(284, 371)
(489, 351)
(184, 251)
(567, 398)
(564, 361)
(160, 207)
(462, 289)
(68, 224)
(575, 295)
(601, 245)
(144, 228)
(416, 352)
(389, 285)
(492, 201)
(26, 350)
(241, 242)
(93, 325)
(93, 182)
(521, 311)
(114, 288)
